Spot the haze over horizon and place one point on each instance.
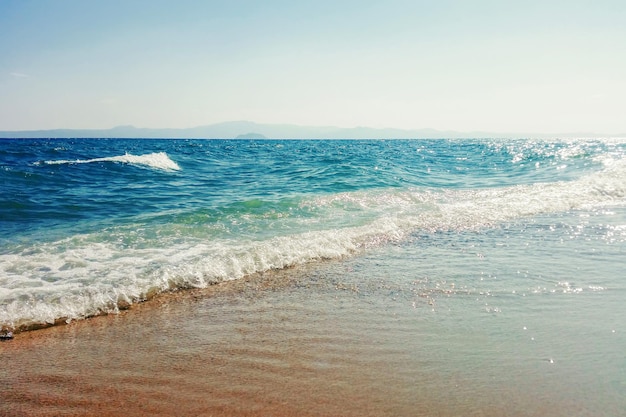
(244, 129)
(516, 67)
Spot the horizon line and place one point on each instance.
(336, 129)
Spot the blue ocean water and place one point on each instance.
(89, 226)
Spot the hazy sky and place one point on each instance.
(506, 66)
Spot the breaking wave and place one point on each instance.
(157, 160)
(91, 274)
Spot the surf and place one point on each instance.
(101, 272)
(156, 160)
(77, 242)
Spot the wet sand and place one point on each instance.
(282, 344)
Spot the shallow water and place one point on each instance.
(508, 328)
(379, 334)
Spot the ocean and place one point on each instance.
(501, 264)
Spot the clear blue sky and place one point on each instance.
(505, 66)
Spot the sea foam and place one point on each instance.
(91, 274)
(156, 160)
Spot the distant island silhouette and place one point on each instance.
(251, 136)
(252, 130)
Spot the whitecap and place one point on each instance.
(156, 160)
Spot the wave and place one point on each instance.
(157, 160)
(99, 273)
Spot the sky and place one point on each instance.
(465, 65)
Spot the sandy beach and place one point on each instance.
(242, 349)
(295, 342)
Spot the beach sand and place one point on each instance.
(297, 342)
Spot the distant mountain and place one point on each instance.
(241, 129)
(251, 136)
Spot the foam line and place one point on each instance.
(157, 160)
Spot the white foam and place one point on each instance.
(47, 284)
(89, 274)
(463, 209)
(157, 160)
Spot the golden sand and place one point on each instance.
(270, 345)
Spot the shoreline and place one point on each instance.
(228, 286)
(128, 361)
(328, 340)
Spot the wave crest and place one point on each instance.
(156, 160)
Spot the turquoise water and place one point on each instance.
(87, 226)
